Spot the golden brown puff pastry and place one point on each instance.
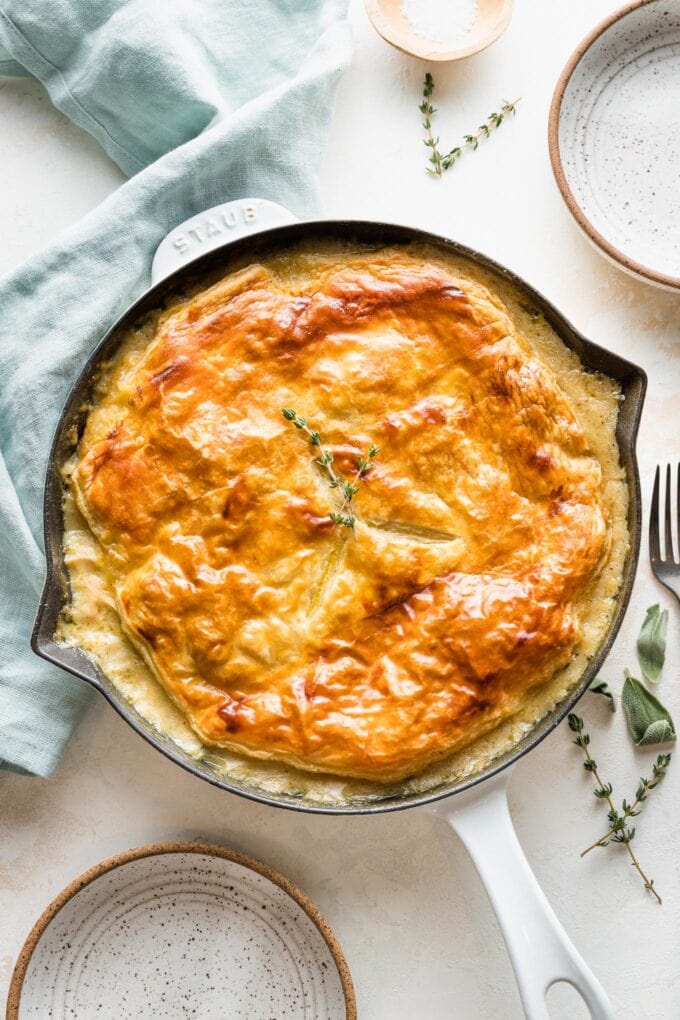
(281, 635)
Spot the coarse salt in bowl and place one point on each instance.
(440, 29)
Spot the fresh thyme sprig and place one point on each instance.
(342, 515)
(438, 162)
(428, 111)
(620, 833)
(617, 821)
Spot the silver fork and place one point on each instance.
(667, 570)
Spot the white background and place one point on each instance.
(399, 890)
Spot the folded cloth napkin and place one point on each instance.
(199, 102)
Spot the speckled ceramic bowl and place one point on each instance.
(614, 138)
(176, 930)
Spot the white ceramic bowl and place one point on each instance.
(614, 138)
(181, 930)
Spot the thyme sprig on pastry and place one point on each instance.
(440, 162)
(342, 514)
(619, 831)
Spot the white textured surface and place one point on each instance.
(415, 925)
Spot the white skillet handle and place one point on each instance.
(215, 227)
(540, 951)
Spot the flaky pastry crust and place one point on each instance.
(280, 635)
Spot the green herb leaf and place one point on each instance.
(651, 644)
(602, 687)
(648, 721)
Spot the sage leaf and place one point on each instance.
(648, 721)
(651, 644)
(602, 687)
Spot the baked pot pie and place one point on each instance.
(477, 561)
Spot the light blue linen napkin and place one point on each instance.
(199, 101)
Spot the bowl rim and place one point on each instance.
(173, 847)
(607, 248)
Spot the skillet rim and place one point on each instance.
(632, 379)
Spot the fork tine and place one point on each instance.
(654, 549)
(668, 530)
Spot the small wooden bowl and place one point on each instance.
(493, 17)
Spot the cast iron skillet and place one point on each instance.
(182, 244)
